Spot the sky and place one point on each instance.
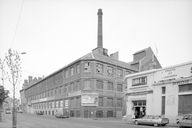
(54, 33)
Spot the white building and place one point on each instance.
(166, 92)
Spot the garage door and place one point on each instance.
(185, 104)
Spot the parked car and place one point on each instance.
(186, 121)
(20, 111)
(152, 120)
(59, 115)
(39, 113)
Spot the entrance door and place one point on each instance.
(139, 108)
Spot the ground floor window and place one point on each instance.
(87, 114)
(110, 113)
(72, 113)
(99, 113)
(185, 104)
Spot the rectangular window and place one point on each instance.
(59, 90)
(66, 74)
(99, 68)
(57, 104)
(139, 81)
(110, 86)
(51, 92)
(185, 88)
(120, 87)
(119, 73)
(87, 85)
(99, 84)
(185, 104)
(119, 102)
(163, 90)
(87, 67)
(69, 88)
(72, 87)
(100, 101)
(110, 102)
(110, 71)
(78, 85)
(61, 103)
(72, 71)
(78, 68)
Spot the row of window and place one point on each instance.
(75, 103)
(76, 86)
(100, 69)
(182, 88)
(87, 113)
(62, 90)
(58, 78)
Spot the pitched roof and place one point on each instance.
(106, 59)
(93, 56)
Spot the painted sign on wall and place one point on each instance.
(174, 72)
(89, 99)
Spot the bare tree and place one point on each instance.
(13, 72)
(3, 94)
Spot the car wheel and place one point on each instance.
(136, 122)
(179, 126)
(155, 124)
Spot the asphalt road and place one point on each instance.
(40, 121)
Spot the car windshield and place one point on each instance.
(151, 117)
(188, 117)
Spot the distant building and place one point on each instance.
(91, 86)
(166, 91)
(27, 83)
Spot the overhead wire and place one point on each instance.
(17, 24)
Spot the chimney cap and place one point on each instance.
(99, 12)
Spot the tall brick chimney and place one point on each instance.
(100, 49)
(100, 34)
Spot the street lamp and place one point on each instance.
(13, 63)
(14, 114)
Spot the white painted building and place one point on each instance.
(166, 91)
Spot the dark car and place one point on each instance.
(152, 120)
(59, 115)
(39, 113)
(186, 121)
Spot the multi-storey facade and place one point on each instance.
(87, 87)
(166, 92)
(92, 86)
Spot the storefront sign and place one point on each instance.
(181, 82)
(89, 99)
(173, 73)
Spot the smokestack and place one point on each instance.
(100, 35)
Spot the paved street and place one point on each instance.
(35, 121)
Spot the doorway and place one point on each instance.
(139, 108)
